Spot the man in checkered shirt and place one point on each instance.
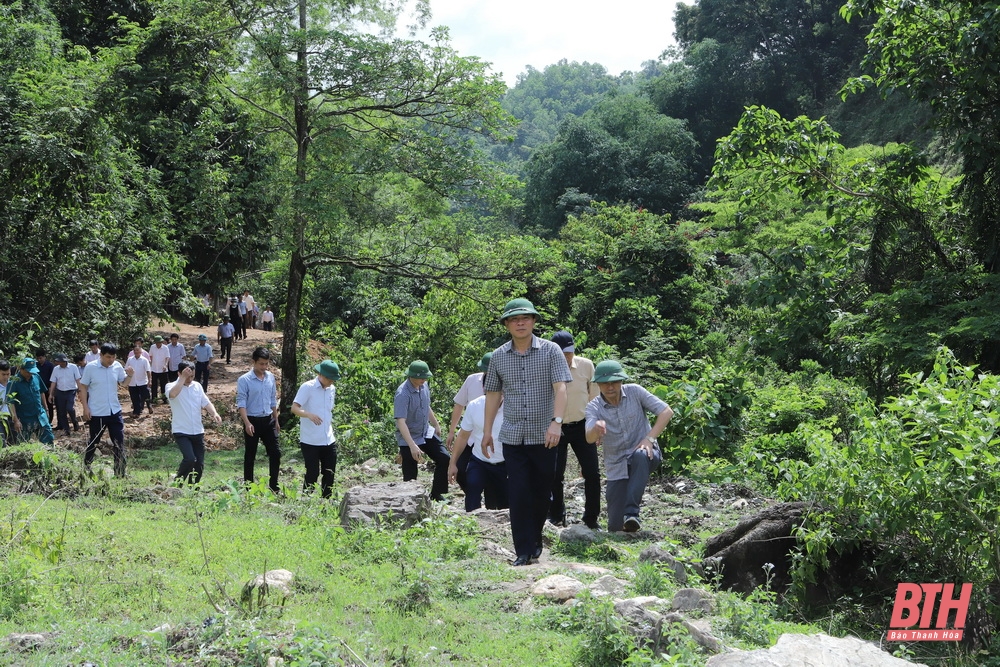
(531, 375)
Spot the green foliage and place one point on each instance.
(649, 580)
(708, 416)
(605, 640)
(917, 479)
(750, 620)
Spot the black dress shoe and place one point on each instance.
(537, 553)
(521, 560)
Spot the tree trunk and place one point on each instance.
(290, 337)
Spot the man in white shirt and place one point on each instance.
(137, 349)
(248, 319)
(187, 400)
(267, 319)
(99, 396)
(313, 405)
(94, 354)
(471, 389)
(484, 475)
(159, 365)
(138, 386)
(177, 353)
(62, 392)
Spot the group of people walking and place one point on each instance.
(532, 401)
(512, 424)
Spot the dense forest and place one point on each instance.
(786, 225)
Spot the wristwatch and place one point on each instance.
(558, 420)
(651, 439)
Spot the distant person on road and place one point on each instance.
(241, 322)
(617, 420)
(226, 333)
(159, 365)
(411, 409)
(62, 393)
(177, 354)
(313, 405)
(45, 368)
(257, 402)
(142, 377)
(187, 400)
(250, 307)
(234, 314)
(94, 354)
(99, 395)
(138, 349)
(25, 397)
(267, 319)
(202, 360)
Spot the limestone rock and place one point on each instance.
(584, 568)
(578, 532)
(23, 641)
(607, 585)
(402, 503)
(657, 554)
(690, 599)
(817, 650)
(557, 587)
(495, 551)
(276, 583)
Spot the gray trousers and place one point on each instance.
(624, 496)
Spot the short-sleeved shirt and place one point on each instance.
(202, 352)
(243, 307)
(471, 389)
(102, 387)
(65, 378)
(319, 400)
(141, 366)
(259, 396)
(91, 356)
(143, 354)
(267, 316)
(250, 303)
(627, 425)
(226, 330)
(159, 358)
(186, 407)
(474, 420)
(177, 353)
(414, 405)
(581, 390)
(526, 382)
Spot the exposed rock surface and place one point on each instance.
(557, 587)
(817, 650)
(691, 599)
(276, 583)
(401, 503)
(657, 554)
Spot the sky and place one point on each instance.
(511, 34)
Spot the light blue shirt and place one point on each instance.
(102, 387)
(258, 396)
(177, 353)
(203, 352)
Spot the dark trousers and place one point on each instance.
(139, 396)
(263, 429)
(66, 409)
(201, 374)
(172, 376)
(575, 436)
(530, 471)
(463, 466)
(160, 385)
(268, 326)
(235, 319)
(193, 457)
(115, 426)
(625, 495)
(319, 458)
(488, 478)
(226, 348)
(436, 452)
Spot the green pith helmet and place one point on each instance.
(484, 363)
(516, 307)
(609, 371)
(418, 369)
(328, 369)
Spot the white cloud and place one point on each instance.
(512, 34)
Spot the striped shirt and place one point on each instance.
(414, 405)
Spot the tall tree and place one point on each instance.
(372, 128)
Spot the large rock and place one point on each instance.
(272, 587)
(691, 599)
(647, 625)
(578, 532)
(817, 650)
(657, 554)
(756, 549)
(608, 585)
(400, 503)
(557, 587)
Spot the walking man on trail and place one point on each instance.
(267, 319)
(484, 476)
(187, 400)
(94, 354)
(99, 395)
(579, 392)
(617, 420)
(138, 386)
(137, 349)
(313, 405)
(45, 368)
(234, 314)
(411, 408)
(62, 392)
(530, 375)
(202, 359)
(257, 402)
(249, 304)
(25, 398)
(177, 353)
(471, 389)
(226, 333)
(159, 363)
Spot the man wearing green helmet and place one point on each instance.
(411, 408)
(313, 405)
(530, 375)
(617, 420)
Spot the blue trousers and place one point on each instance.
(531, 470)
(193, 452)
(624, 496)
